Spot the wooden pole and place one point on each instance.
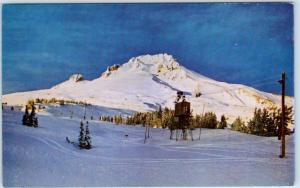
(201, 123)
(84, 111)
(145, 133)
(282, 116)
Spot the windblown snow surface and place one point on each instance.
(42, 157)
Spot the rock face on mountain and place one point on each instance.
(146, 82)
(76, 78)
(109, 70)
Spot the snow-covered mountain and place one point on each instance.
(145, 82)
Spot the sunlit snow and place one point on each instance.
(42, 157)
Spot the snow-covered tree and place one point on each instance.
(25, 120)
(81, 138)
(33, 119)
(88, 140)
(223, 122)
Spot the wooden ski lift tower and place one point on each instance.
(182, 115)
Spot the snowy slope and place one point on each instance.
(145, 82)
(42, 157)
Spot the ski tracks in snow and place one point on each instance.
(170, 152)
(208, 157)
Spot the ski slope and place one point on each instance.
(42, 157)
(146, 82)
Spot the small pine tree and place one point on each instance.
(288, 119)
(238, 124)
(209, 120)
(25, 120)
(88, 137)
(159, 112)
(33, 119)
(222, 123)
(81, 138)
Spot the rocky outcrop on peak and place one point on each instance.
(110, 69)
(76, 77)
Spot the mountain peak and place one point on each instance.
(157, 59)
(164, 65)
(158, 64)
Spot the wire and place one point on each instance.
(263, 83)
(266, 79)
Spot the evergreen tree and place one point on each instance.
(209, 120)
(25, 120)
(269, 123)
(88, 141)
(165, 118)
(115, 119)
(288, 115)
(237, 125)
(159, 112)
(256, 125)
(271, 126)
(33, 119)
(288, 119)
(81, 138)
(223, 122)
(197, 121)
(265, 123)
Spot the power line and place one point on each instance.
(263, 83)
(265, 79)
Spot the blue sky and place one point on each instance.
(243, 43)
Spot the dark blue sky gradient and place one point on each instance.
(236, 42)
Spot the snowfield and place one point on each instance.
(42, 157)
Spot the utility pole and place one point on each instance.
(145, 133)
(282, 128)
(84, 110)
(201, 120)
